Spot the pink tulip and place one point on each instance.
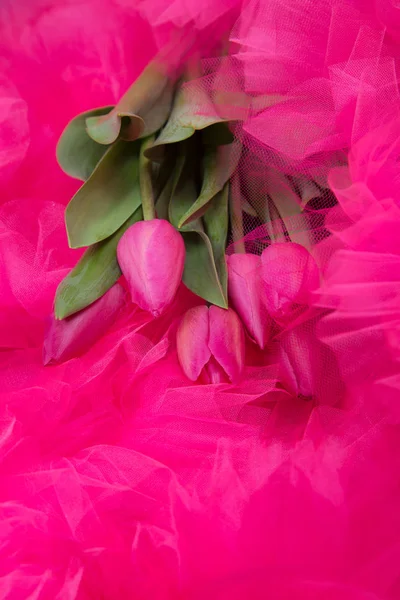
(290, 275)
(76, 334)
(151, 255)
(308, 367)
(245, 292)
(211, 339)
(297, 363)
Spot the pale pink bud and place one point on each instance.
(192, 341)
(297, 363)
(290, 275)
(74, 335)
(245, 291)
(151, 255)
(207, 334)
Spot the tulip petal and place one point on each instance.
(226, 340)
(192, 341)
(296, 362)
(151, 255)
(290, 274)
(76, 334)
(213, 373)
(245, 292)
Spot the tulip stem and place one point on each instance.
(145, 178)
(236, 215)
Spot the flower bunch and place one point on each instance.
(158, 205)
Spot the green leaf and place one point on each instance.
(192, 110)
(307, 188)
(183, 191)
(164, 184)
(163, 200)
(219, 163)
(201, 272)
(142, 110)
(170, 173)
(247, 208)
(234, 104)
(236, 213)
(95, 273)
(216, 225)
(288, 206)
(77, 153)
(107, 199)
(218, 134)
(275, 225)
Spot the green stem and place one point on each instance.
(145, 177)
(276, 228)
(236, 215)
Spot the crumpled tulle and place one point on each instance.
(119, 477)
(320, 77)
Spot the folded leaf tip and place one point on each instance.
(105, 129)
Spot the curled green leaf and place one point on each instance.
(142, 110)
(77, 153)
(107, 199)
(95, 273)
(192, 110)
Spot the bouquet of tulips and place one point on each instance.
(158, 206)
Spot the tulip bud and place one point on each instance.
(192, 341)
(211, 334)
(151, 255)
(297, 363)
(308, 368)
(74, 335)
(245, 291)
(290, 275)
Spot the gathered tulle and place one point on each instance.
(120, 477)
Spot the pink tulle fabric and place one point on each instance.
(119, 476)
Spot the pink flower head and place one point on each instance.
(297, 363)
(211, 339)
(245, 292)
(76, 334)
(290, 275)
(151, 255)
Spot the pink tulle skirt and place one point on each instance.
(119, 477)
